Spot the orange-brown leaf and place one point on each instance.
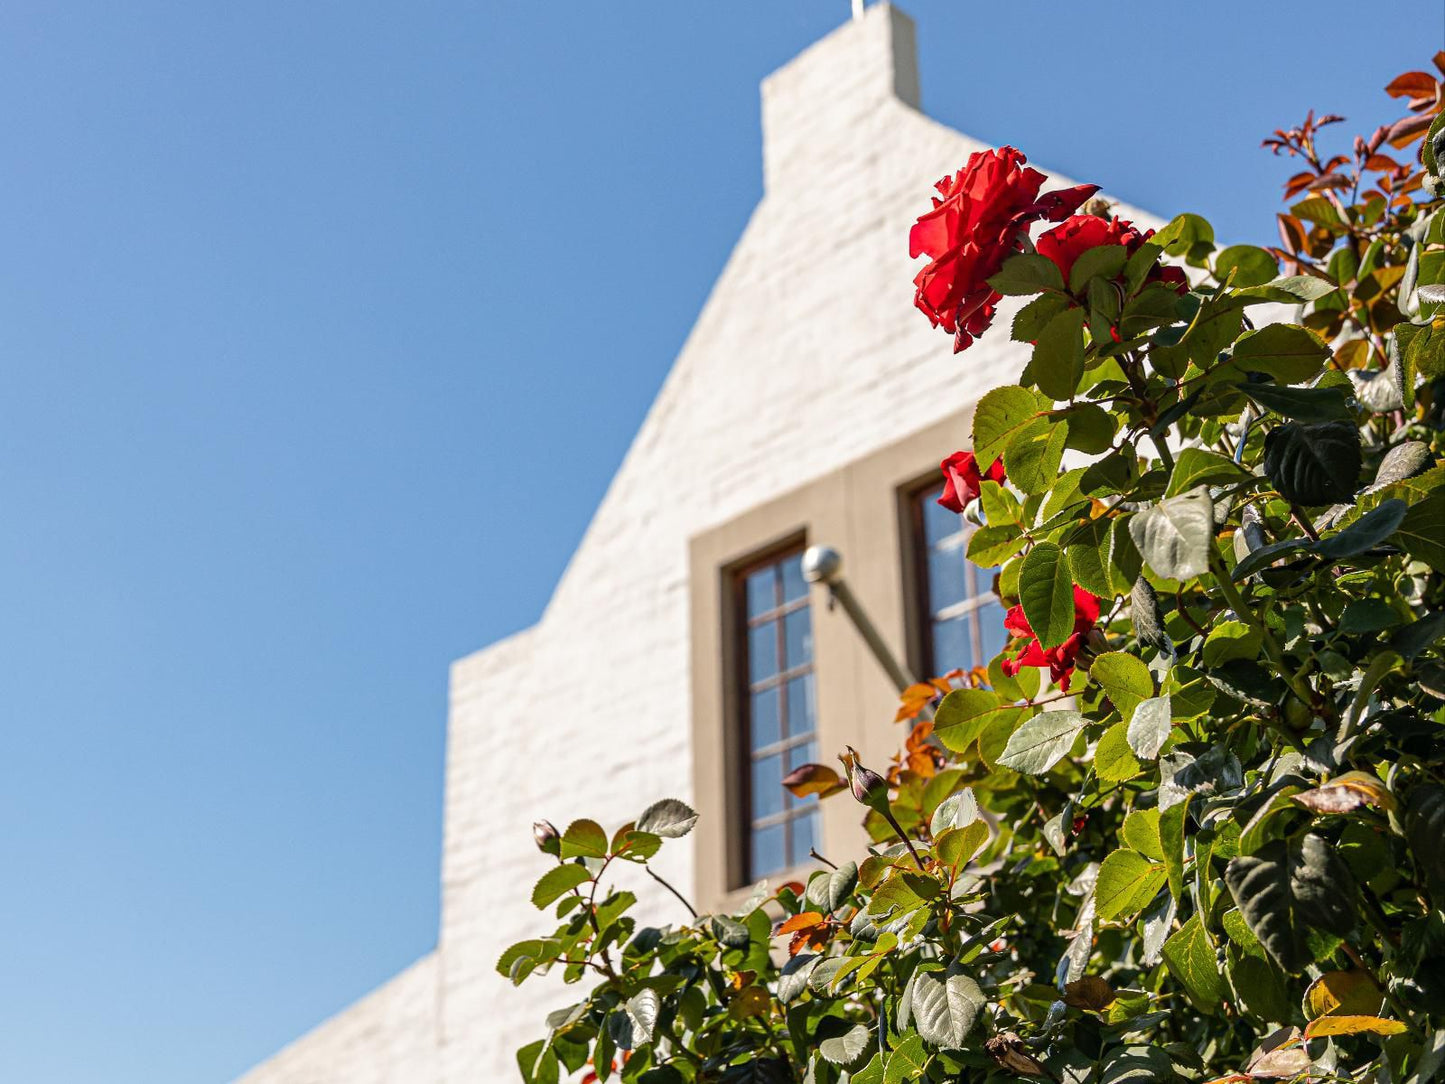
(1411, 85)
(804, 921)
(1090, 992)
(816, 779)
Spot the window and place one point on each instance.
(963, 621)
(779, 713)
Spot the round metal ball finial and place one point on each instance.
(821, 564)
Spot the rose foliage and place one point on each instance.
(1190, 824)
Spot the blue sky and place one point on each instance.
(322, 328)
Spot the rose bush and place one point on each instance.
(1211, 844)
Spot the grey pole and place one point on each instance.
(824, 564)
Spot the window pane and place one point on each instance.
(951, 650)
(767, 851)
(938, 522)
(798, 638)
(806, 753)
(766, 725)
(762, 651)
(761, 592)
(991, 631)
(945, 578)
(794, 586)
(803, 839)
(767, 786)
(802, 715)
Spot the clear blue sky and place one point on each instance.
(323, 326)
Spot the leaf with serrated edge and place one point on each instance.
(1041, 742)
(1174, 537)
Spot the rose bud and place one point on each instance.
(1009, 1051)
(549, 840)
(869, 788)
(1098, 207)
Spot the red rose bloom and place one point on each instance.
(1060, 659)
(1069, 240)
(981, 220)
(962, 482)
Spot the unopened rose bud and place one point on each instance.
(1098, 207)
(549, 840)
(1009, 1051)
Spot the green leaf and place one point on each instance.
(1058, 359)
(1190, 957)
(668, 818)
(1141, 833)
(1171, 841)
(1425, 828)
(1185, 235)
(1301, 404)
(1114, 761)
(1422, 531)
(1229, 640)
(1041, 742)
(1035, 316)
(989, 547)
(1091, 428)
(1032, 459)
(1175, 536)
(1260, 986)
(1365, 533)
(1047, 594)
(1419, 635)
(1127, 883)
(537, 1064)
(1124, 678)
(557, 882)
(1198, 466)
(955, 811)
(642, 1009)
(965, 713)
(841, 883)
(1280, 888)
(1149, 727)
(1287, 352)
(1290, 290)
(957, 845)
(944, 1011)
(847, 1048)
(730, 932)
(1252, 266)
(1313, 464)
(1146, 617)
(1138, 1065)
(1027, 273)
(1101, 261)
(999, 416)
(584, 839)
(906, 1061)
(1319, 210)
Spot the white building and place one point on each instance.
(811, 403)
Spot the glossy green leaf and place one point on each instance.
(1127, 882)
(1041, 742)
(1047, 594)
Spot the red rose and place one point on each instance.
(1060, 659)
(962, 482)
(1069, 240)
(981, 220)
